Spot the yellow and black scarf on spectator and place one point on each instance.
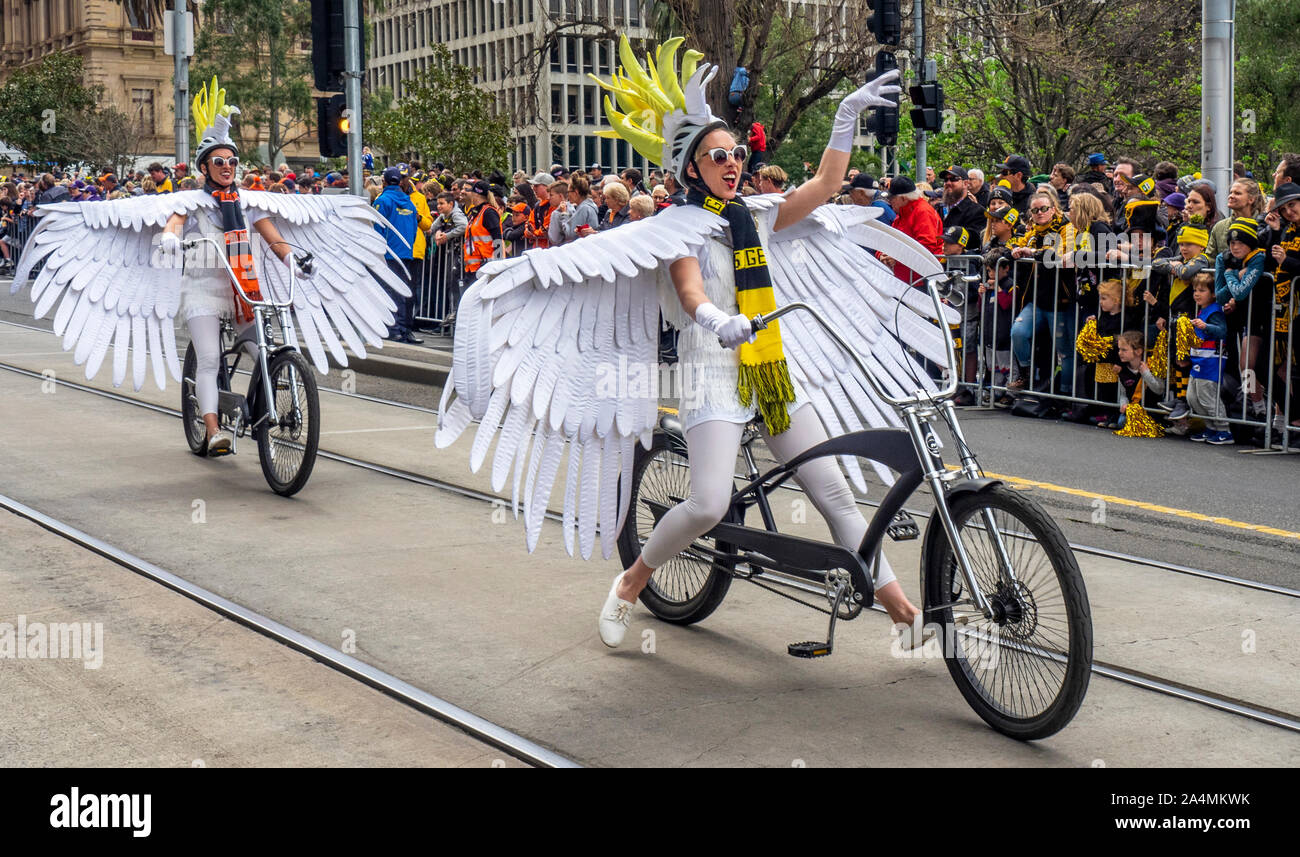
(239, 250)
(764, 375)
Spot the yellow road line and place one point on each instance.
(1149, 507)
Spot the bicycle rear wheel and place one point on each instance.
(287, 450)
(1025, 670)
(692, 584)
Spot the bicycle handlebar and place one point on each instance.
(303, 261)
(950, 280)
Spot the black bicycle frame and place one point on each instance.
(806, 558)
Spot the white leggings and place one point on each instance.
(712, 447)
(205, 333)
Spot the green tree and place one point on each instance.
(1267, 82)
(37, 106)
(1054, 81)
(444, 117)
(254, 47)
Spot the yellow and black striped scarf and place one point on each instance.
(764, 375)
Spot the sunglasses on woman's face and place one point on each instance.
(218, 161)
(720, 155)
(1040, 209)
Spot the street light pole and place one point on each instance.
(180, 21)
(918, 45)
(352, 90)
(1217, 104)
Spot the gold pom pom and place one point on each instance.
(1106, 373)
(1138, 424)
(1185, 338)
(1090, 346)
(1158, 359)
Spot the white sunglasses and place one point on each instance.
(720, 155)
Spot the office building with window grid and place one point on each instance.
(554, 119)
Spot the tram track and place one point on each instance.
(443, 710)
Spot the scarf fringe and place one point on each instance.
(770, 384)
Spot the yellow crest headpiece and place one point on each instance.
(210, 115)
(662, 111)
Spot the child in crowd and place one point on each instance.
(1135, 381)
(996, 296)
(1210, 326)
(1096, 344)
(1173, 273)
(1237, 271)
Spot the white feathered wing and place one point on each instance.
(113, 288)
(550, 346)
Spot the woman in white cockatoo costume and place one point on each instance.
(538, 335)
(122, 285)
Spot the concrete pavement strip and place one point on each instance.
(439, 591)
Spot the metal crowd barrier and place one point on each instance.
(16, 234)
(1058, 375)
(442, 282)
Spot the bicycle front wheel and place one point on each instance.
(691, 585)
(288, 449)
(1025, 668)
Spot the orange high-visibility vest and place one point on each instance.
(478, 242)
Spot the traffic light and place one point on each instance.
(328, 61)
(332, 125)
(927, 98)
(887, 22)
(884, 120)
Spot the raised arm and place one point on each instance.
(800, 202)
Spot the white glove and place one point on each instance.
(871, 95)
(169, 242)
(732, 330)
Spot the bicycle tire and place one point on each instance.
(1029, 635)
(288, 451)
(686, 589)
(196, 432)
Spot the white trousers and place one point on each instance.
(712, 447)
(205, 333)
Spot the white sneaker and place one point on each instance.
(221, 443)
(615, 616)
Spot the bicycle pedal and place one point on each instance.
(809, 649)
(903, 528)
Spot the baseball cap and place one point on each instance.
(1001, 192)
(1141, 181)
(544, 179)
(1009, 216)
(392, 175)
(291, 175)
(900, 185)
(957, 235)
(519, 208)
(1015, 164)
(479, 186)
(864, 181)
(1096, 159)
(954, 172)
(596, 167)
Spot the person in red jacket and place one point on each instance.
(915, 218)
(757, 145)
